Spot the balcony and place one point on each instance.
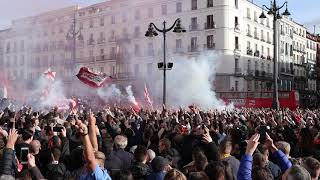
(257, 54)
(249, 52)
(262, 57)
(269, 58)
(194, 48)
(194, 27)
(256, 36)
(237, 28)
(101, 57)
(237, 72)
(101, 40)
(282, 33)
(211, 46)
(237, 49)
(250, 72)
(91, 42)
(249, 34)
(249, 16)
(209, 26)
(112, 39)
(262, 39)
(269, 41)
(257, 73)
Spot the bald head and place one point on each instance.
(35, 147)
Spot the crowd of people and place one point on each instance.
(168, 144)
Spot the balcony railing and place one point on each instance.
(250, 72)
(194, 48)
(249, 52)
(209, 25)
(269, 41)
(249, 34)
(237, 72)
(256, 36)
(268, 57)
(194, 27)
(101, 40)
(209, 46)
(91, 42)
(237, 27)
(257, 54)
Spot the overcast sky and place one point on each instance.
(303, 11)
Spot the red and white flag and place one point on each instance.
(91, 79)
(50, 74)
(147, 95)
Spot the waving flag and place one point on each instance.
(92, 79)
(50, 74)
(147, 96)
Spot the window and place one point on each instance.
(236, 22)
(249, 65)
(150, 12)
(236, 4)
(248, 13)
(236, 42)
(113, 19)
(101, 21)
(256, 66)
(209, 3)
(194, 4)
(178, 44)
(164, 9)
(124, 18)
(150, 49)
(101, 51)
(113, 52)
(81, 25)
(137, 31)
(286, 48)
(262, 35)
(210, 22)
(194, 23)
(91, 23)
(268, 68)
(137, 15)
(136, 50)
(178, 7)
(248, 45)
(262, 50)
(22, 45)
(149, 68)
(136, 69)
(210, 42)
(236, 63)
(262, 66)
(193, 43)
(236, 85)
(22, 60)
(268, 51)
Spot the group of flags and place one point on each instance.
(95, 80)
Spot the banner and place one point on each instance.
(92, 79)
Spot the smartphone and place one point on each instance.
(57, 129)
(24, 155)
(263, 132)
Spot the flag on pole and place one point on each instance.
(50, 74)
(147, 95)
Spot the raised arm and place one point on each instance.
(92, 131)
(88, 149)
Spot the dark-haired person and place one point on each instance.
(225, 149)
(140, 170)
(160, 166)
(312, 165)
(56, 169)
(217, 170)
(26, 139)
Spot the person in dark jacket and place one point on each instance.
(160, 166)
(56, 169)
(112, 163)
(121, 143)
(140, 170)
(166, 151)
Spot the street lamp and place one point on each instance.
(275, 11)
(151, 32)
(73, 35)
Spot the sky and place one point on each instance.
(303, 11)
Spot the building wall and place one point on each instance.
(114, 42)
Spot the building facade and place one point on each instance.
(110, 39)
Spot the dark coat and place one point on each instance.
(125, 157)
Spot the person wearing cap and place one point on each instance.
(160, 167)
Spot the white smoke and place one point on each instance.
(130, 96)
(110, 93)
(191, 82)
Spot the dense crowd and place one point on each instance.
(167, 144)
